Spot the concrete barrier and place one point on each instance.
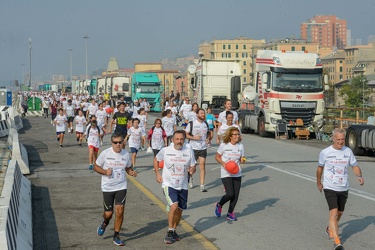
(19, 152)
(15, 210)
(4, 128)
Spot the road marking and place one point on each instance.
(353, 191)
(186, 226)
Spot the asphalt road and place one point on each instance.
(279, 206)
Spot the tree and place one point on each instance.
(356, 92)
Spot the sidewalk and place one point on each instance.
(67, 199)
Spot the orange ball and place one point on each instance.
(232, 167)
(109, 110)
(161, 164)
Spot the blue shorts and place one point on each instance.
(133, 150)
(60, 133)
(176, 196)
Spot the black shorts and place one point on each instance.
(200, 153)
(110, 197)
(70, 119)
(156, 151)
(336, 199)
(121, 130)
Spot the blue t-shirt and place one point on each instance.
(210, 118)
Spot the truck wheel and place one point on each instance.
(352, 140)
(262, 127)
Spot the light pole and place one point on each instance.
(86, 37)
(363, 99)
(70, 60)
(30, 62)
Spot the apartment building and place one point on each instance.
(335, 65)
(328, 31)
(354, 54)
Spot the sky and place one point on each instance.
(148, 30)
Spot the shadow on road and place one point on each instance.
(355, 226)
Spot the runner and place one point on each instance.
(179, 161)
(199, 135)
(80, 122)
(92, 108)
(54, 107)
(228, 107)
(143, 125)
(192, 115)
(169, 124)
(112, 164)
(45, 105)
(135, 136)
(334, 162)
(121, 119)
(185, 108)
(69, 111)
(93, 133)
(224, 127)
(60, 122)
(101, 118)
(157, 138)
(210, 119)
(230, 150)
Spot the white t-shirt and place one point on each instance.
(85, 106)
(77, 104)
(100, 117)
(118, 162)
(69, 110)
(185, 108)
(223, 119)
(61, 123)
(80, 123)
(135, 111)
(191, 116)
(142, 120)
(230, 152)
(168, 124)
(157, 141)
(336, 163)
(92, 109)
(93, 137)
(45, 104)
(199, 128)
(176, 164)
(135, 137)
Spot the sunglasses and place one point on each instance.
(117, 142)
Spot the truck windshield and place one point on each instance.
(286, 82)
(148, 88)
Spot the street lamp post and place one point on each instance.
(70, 61)
(86, 38)
(30, 62)
(363, 99)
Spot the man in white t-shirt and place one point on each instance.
(334, 162)
(228, 107)
(197, 132)
(113, 164)
(178, 162)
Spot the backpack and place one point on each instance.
(149, 136)
(88, 131)
(191, 128)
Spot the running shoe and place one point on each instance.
(58, 138)
(176, 236)
(191, 183)
(231, 216)
(203, 189)
(169, 238)
(61, 146)
(117, 241)
(80, 145)
(329, 233)
(101, 228)
(218, 209)
(338, 246)
(91, 167)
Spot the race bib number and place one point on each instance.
(209, 122)
(118, 174)
(340, 180)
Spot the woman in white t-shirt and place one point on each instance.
(169, 124)
(157, 138)
(224, 127)
(60, 122)
(80, 122)
(142, 124)
(135, 136)
(230, 150)
(192, 115)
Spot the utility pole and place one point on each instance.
(30, 63)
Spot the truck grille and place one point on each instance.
(292, 114)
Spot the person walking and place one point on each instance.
(80, 122)
(185, 108)
(135, 136)
(69, 112)
(93, 134)
(113, 164)
(157, 138)
(54, 106)
(230, 150)
(121, 119)
(334, 162)
(210, 119)
(178, 162)
(169, 124)
(60, 122)
(45, 105)
(198, 134)
(228, 107)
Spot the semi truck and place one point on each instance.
(213, 81)
(120, 86)
(147, 85)
(288, 86)
(361, 138)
